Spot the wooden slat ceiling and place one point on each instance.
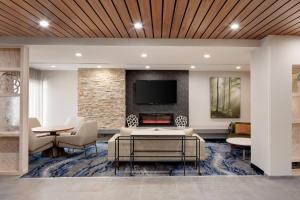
(206, 19)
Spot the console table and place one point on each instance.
(177, 135)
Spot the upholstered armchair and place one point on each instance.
(38, 143)
(86, 136)
(74, 121)
(239, 129)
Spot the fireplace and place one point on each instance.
(156, 119)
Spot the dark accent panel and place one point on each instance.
(259, 170)
(180, 108)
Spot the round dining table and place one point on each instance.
(244, 143)
(54, 131)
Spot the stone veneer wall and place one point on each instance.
(101, 96)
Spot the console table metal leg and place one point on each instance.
(133, 151)
(118, 158)
(133, 154)
(198, 157)
(181, 149)
(184, 157)
(130, 152)
(115, 156)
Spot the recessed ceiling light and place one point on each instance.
(138, 25)
(147, 67)
(238, 67)
(144, 55)
(193, 66)
(78, 54)
(234, 26)
(53, 66)
(206, 55)
(99, 66)
(44, 23)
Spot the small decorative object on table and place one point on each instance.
(181, 121)
(132, 121)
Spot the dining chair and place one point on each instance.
(75, 122)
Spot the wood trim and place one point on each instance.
(212, 13)
(179, 11)
(293, 30)
(278, 15)
(20, 21)
(23, 148)
(191, 10)
(125, 17)
(145, 8)
(82, 18)
(114, 15)
(198, 19)
(60, 18)
(94, 17)
(16, 59)
(278, 22)
(73, 17)
(287, 26)
(202, 10)
(230, 18)
(58, 25)
(156, 6)
(134, 12)
(34, 15)
(272, 10)
(218, 20)
(266, 5)
(250, 8)
(168, 11)
(102, 14)
(17, 27)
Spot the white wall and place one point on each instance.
(271, 84)
(199, 98)
(284, 53)
(59, 96)
(260, 110)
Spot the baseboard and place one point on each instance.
(9, 173)
(257, 169)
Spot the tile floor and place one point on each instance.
(144, 188)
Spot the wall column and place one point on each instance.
(271, 103)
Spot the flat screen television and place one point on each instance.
(153, 92)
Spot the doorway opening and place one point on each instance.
(296, 120)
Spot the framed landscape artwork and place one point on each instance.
(225, 97)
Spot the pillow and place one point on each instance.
(189, 131)
(126, 131)
(242, 129)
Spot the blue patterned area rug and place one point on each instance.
(220, 161)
